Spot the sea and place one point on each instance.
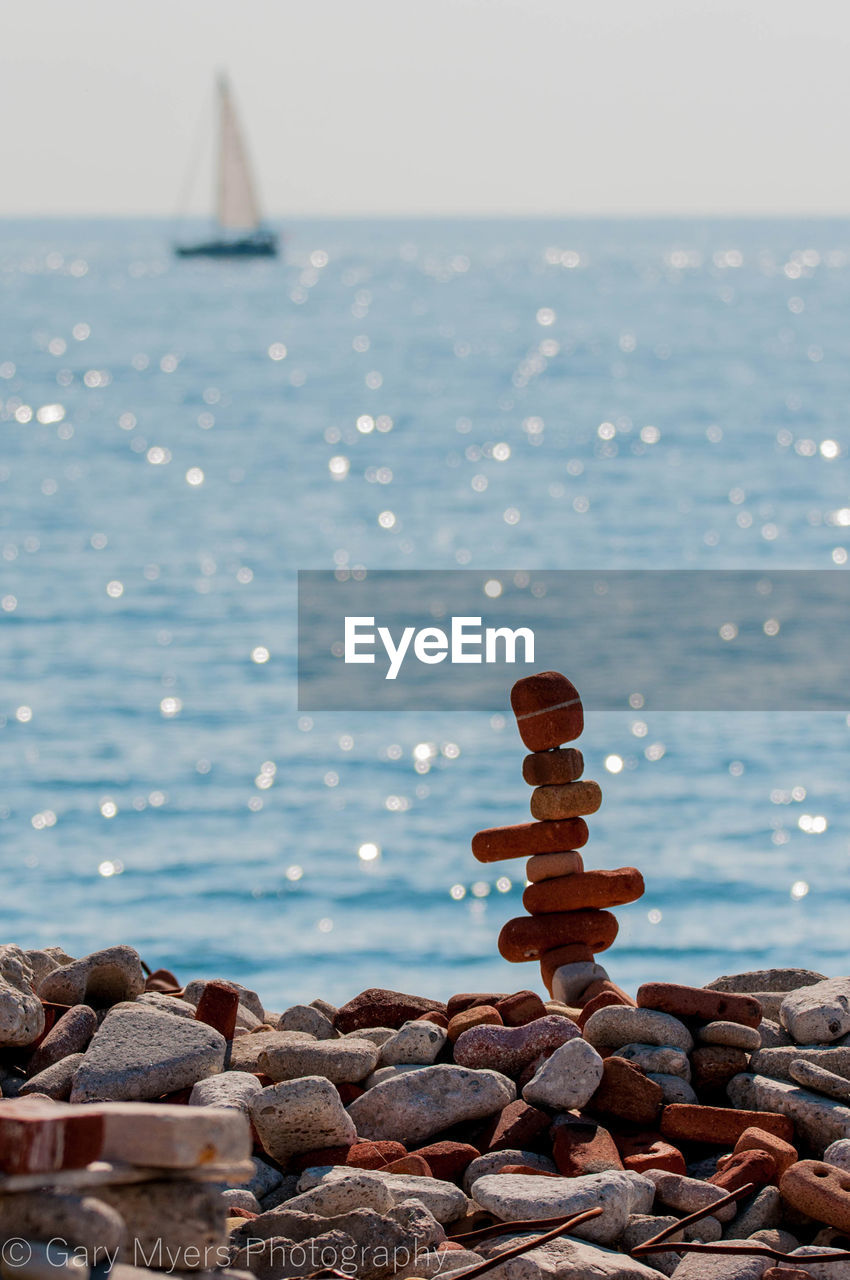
(179, 437)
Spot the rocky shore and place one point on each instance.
(157, 1127)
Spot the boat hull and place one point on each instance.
(257, 246)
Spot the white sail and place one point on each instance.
(236, 202)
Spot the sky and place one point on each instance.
(432, 107)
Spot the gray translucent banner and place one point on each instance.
(667, 640)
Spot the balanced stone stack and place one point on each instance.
(568, 921)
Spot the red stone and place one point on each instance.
(714, 1065)
(480, 1015)
(448, 1160)
(819, 1190)
(571, 800)
(625, 1092)
(661, 1155)
(528, 1170)
(524, 839)
(521, 1008)
(44, 1137)
(373, 1155)
(379, 1007)
(719, 1126)
(179, 1098)
(600, 987)
(517, 1127)
(598, 1002)
(69, 1034)
(348, 1092)
(434, 1015)
(529, 937)
(163, 981)
(581, 1147)
(548, 710)
(697, 1003)
(754, 1139)
(584, 889)
(321, 1156)
(758, 1167)
(550, 768)
(471, 1000)
(414, 1165)
(218, 1007)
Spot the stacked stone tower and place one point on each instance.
(568, 921)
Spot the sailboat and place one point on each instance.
(241, 232)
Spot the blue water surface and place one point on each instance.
(179, 437)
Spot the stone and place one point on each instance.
(443, 1200)
(345, 1060)
(238, 1198)
(480, 1015)
(138, 1053)
(55, 1081)
(41, 963)
(37, 1136)
(819, 1013)
(528, 937)
(776, 1062)
(619, 1024)
(736, 1171)
(219, 1007)
(732, 1035)
(819, 1190)
(625, 1092)
(699, 1004)
(772, 1035)
(569, 982)
(185, 1232)
(721, 1126)
(414, 1106)
(352, 1190)
(235, 1089)
(516, 1127)
(163, 1004)
(569, 800)
(518, 1197)
(654, 1154)
(762, 1212)
(551, 866)
(494, 1161)
(701, 1266)
(69, 1034)
(602, 1001)
(300, 1115)
(371, 1155)
(525, 839)
(550, 768)
(817, 1120)
(379, 1036)
(581, 1146)
(447, 1160)
(584, 889)
(809, 1268)
(566, 1257)
(21, 1012)
(306, 1017)
(266, 1178)
(568, 1079)
(819, 1080)
(755, 1139)
(772, 980)
(519, 1009)
(418, 1042)
(838, 1153)
(379, 1007)
(284, 1259)
(657, 1058)
(101, 979)
(243, 1053)
(83, 1221)
(161, 1136)
(386, 1073)
(687, 1195)
(714, 1065)
(673, 1088)
(641, 1227)
(548, 710)
(510, 1050)
(249, 1000)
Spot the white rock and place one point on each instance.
(185, 1226)
(159, 1136)
(391, 1073)
(838, 1153)
(493, 1161)
(413, 1106)
(378, 1035)
(619, 1193)
(818, 1121)
(567, 1079)
(301, 1115)
(674, 1088)
(306, 1017)
(571, 980)
(243, 1053)
(355, 1189)
(659, 1059)
(340, 1061)
(733, 1035)
(239, 1198)
(230, 1089)
(619, 1024)
(819, 1013)
(21, 1012)
(103, 978)
(415, 1042)
(820, 1270)
(687, 1195)
(443, 1200)
(701, 1266)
